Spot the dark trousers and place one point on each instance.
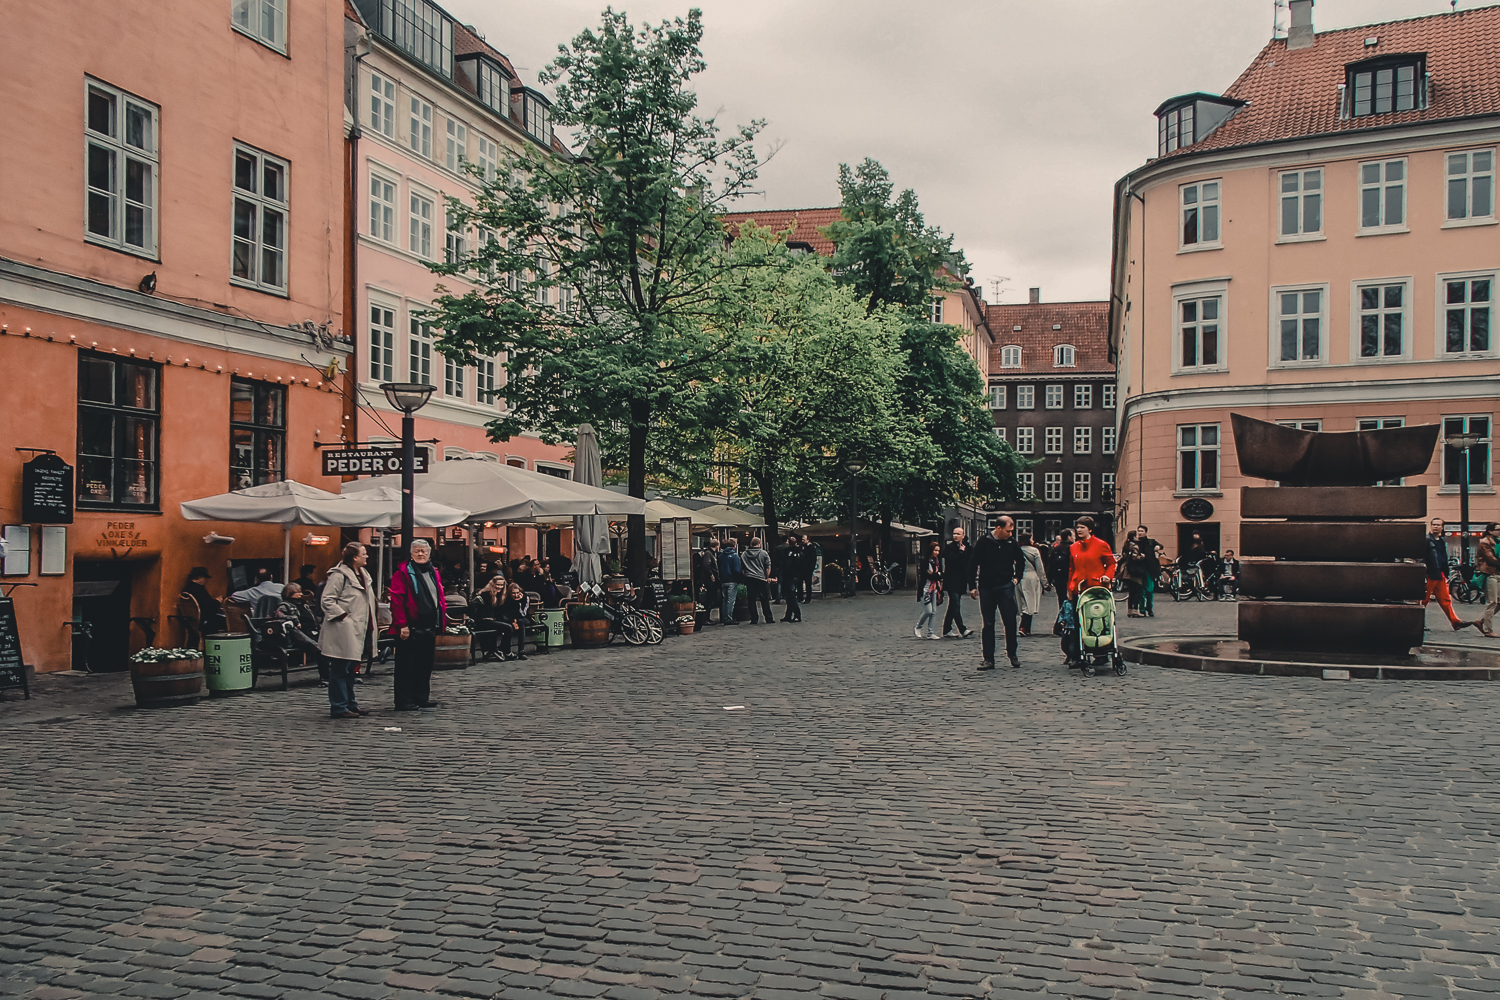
(1003, 598)
(758, 590)
(790, 588)
(413, 673)
(709, 597)
(806, 582)
(955, 616)
(341, 685)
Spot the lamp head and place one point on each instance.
(855, 465)
(408, 397)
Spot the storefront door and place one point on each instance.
(101, 604)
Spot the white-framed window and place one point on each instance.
(262, 20)
(1107, 395)
(1010, 356)
(514, 280)
(382, 343)
(1466, 320)
(1054, 441)
(1083, 440)
(1197, 458)
(1301, 203)
(1063, 355)
(1107, 487)
(542, 292)
(1107, 438)
(382, 208)
(483, 238)
(1174, 130)
(1054, 397)
(1381, 90)
(487, 157)
(567, 299)
(383, 105)
(1023, 526)
(1026, 484)
(1471, 185)
(420, 242)
(456, 146)
(1083, 487)
(1025, 397)
(453, 378)
(1479, 456)
(1200, 215)
(1025, 440)
(419, 352)
(935, 309)
(1382, 196)
(1298, 325)
(1052, 486)
(485, 377)
(1002, 433)
(1381, 320)
(1379, 423)
(997, 397)
(1200, 322)
(121, 176)
(455, 245)
(455, 454)
(258, 255)
(538, 118)
(420, 135)
(1083, 397)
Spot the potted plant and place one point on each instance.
(678, 607)
(741, 602)
(451, 648)
(166, 676)
(700, 615)
(588, 624)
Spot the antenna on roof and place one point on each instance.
(995, 282)
(1276, 6)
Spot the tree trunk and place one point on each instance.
(635, 551)
(765, 482)
(885, 536)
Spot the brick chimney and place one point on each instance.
(1036, 296)
(1300, 36)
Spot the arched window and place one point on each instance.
(1062, 356)
(1010, 356)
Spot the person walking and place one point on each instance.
(1093, 560)
(1060, 564)
(812, 564)
(929, 591)
(1488, 563)
(995, 569)
(1231, 576)
(347, 636)
(1437, 564)
(1150, 550)
(708, 576)
(418, 614)
(957, 555)
(1132, 562)
(1033, 583)
(729, 581)
(755, 564)
(789, 556)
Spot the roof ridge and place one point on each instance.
(1402, 20)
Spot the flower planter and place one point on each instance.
(159, 683)
(686, 628)
(589, 632)
(451, 652)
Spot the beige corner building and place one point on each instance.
(1318, 247)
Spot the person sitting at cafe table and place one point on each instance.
(264, 587)
(210, 611)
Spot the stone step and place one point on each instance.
(1333, 581)
(1386, 628)
(1333, 503)
(1317, 541)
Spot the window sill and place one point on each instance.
(1198, 493)
(1405, 359)
(1200, 371)
(1453, 491)
(1306, 238)
(1382, 231)
(104, 244)
(1469, 223)
(110, 508)
(1200, 248)
(280, 293)
(1280, 366)
(1467, 356)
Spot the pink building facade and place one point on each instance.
(1316, 247)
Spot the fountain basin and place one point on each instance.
(1223, 654)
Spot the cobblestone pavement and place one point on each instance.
(878, 820)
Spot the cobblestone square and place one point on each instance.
(828, 809)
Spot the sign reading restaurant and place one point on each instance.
(370, 462)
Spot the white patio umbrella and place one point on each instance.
(590, 531)
(723, 514)
(658, 510)
(290, 502)
(490, 491)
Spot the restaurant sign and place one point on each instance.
(370, 462)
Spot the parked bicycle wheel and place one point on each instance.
(880, 583)
(1459, 589)
(633, 627)
(654, 631)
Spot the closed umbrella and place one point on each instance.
(590, 532)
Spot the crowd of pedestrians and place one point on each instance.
(783, 577)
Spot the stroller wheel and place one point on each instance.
(1118, 662)
(1088, 670)
(1120, 669)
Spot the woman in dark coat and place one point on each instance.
(418, 613)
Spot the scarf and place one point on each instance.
(424, 591)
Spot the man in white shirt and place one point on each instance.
(264, 587)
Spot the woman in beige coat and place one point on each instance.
(348, 632)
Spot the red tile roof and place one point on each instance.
(1085, 325)
(805, 223)
(466, 42)
(1294, 93)
(352, 13)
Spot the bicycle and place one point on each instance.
(880, 579)
(1460, 589)
(635, 626)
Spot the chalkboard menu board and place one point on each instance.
(12, 670)
(47, 491)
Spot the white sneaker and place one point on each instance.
(932, 635)
(966, 633)
(917, 632)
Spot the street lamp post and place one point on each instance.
(408, 397)
(854, 466)
(1463, 442)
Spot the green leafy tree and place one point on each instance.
(595, 273)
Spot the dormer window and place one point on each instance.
(1387, 85)
(1175, 129)
(538, 118)
(1062, 356)
(1190, 118)
(1010, 356)
(491, 83)
(417, 27)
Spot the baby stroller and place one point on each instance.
(1089, 638)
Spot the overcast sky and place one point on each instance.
(1012, 119)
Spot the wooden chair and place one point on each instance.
(190, 616)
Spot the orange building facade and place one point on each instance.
(1318, 247)
(171, 289)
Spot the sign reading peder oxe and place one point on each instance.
(369, 462)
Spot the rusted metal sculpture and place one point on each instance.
(1294, 457)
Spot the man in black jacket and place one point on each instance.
(812, 552)
(998, 563)
(1438, 564)
(956, 557)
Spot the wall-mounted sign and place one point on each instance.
(47, 491)
(370, 462)
(12, 670)
(1197, 509)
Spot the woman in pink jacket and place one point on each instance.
(417, 616)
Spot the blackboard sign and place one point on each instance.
(658, 591)
(47, 491)
(12, 670)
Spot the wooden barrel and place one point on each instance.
(686, 628)
(451, 652)
(166, 682)
(590, 632)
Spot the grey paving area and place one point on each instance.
(877, 820)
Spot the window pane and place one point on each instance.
(1392, 334)
(1288, 216)
(101, 168)
(241, 402)
(1189, 436)
(95, 479)
(1393, 295)
(1210, 308)
(101, 113)
(1208, 471)
(1312, 180)
(1311, 346)
(1210, 435)
(96, 380)
(1190, 196)
(1479, 329)
(1458, 198)
(1455, 333)
(1483, 204)
(137, 127)
(1210, 223)
(1312, 302)
(138, 386)
(1210, 345)
(1189, 312)
(1190, 470)
(1369, 173)
(274, 186)
(96, 432)
(1312, 213)
(1288, 340)
(1369, 336)
(1211, 191)
(1369, 298)
(1289, 182)
(1190, 226)
(1395, 204)
(1369, 213)
(1189, 347)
